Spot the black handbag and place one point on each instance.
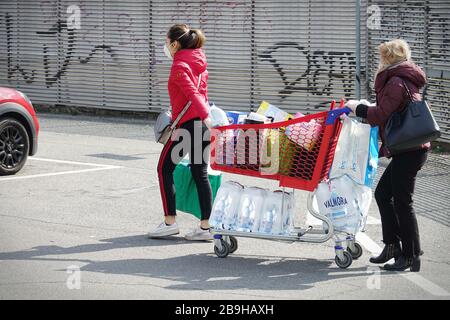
(410, 128)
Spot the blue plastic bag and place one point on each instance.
(372, 162)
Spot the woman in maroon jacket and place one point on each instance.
(184, 47)
(395, 189)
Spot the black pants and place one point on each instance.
(394, 194)
(173, 152)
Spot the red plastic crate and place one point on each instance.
(298, 152)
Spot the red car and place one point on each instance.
(19, 129)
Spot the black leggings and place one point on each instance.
(196, 130)
(394, 195)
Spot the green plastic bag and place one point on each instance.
(186, 190)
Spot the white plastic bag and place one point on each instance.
(352, 151)
(218, 116)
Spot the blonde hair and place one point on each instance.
(392, 52)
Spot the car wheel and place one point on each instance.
(14, 146)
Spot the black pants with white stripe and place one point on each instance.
(193, 140)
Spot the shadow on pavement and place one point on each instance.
(198, 271)
(104, 245)
(207, 272)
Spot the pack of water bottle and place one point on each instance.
(252, 209)
(345, 202)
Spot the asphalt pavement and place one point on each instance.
(73, 225)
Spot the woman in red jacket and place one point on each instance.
(184, 46)
(395, 189)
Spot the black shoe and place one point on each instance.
(390, 251)
(404, 263)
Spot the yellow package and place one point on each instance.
(269, 110)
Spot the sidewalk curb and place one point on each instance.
(90, 111)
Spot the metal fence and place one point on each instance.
(425, 25)
(298, 55)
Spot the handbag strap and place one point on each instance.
(186, 107)
(407, 90)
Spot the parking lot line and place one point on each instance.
(98, 167)
(72, 162)
(415, 278)
(58, 173)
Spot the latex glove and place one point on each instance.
(367, 103)
(352, 104)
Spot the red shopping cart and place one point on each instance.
(298, 153)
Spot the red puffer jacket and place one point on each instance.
(182, 86)
(392, 95)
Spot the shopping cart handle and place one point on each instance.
(336, 113)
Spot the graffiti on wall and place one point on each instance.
(211, 15)
(72, 46)
(323, 70)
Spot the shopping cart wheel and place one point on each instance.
(233, 244)
(346, 262)
(224, 252)
(358, 251)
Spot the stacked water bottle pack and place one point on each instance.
(252, 209)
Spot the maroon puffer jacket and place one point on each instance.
(392, 96)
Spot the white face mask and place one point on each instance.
(167, 52)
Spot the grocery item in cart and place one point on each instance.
(276, 218)
(288, 212)
(278, 152)
(271, 217)
(225, 153)
(225, 207)
(236, 117)
(250, 209)
(218, 116)
(299, 168)
(274, 141)
(255, 118)
(273, 112)
(345, 203)
(224, 147)
(304, 134)
(270, 148)
(289, 153)
(249, 142)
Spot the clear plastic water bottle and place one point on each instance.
(288, 213)
(225, 207)
(272, 219)
(250, 209)
(218, 213)
(267, 219)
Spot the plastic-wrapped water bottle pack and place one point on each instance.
(252, 209)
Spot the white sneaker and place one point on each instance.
(198, 234)
(164, 230)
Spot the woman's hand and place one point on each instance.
(208, 122)
(352, 104)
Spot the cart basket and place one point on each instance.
(297, 152)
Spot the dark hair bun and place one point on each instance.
(188, 38)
